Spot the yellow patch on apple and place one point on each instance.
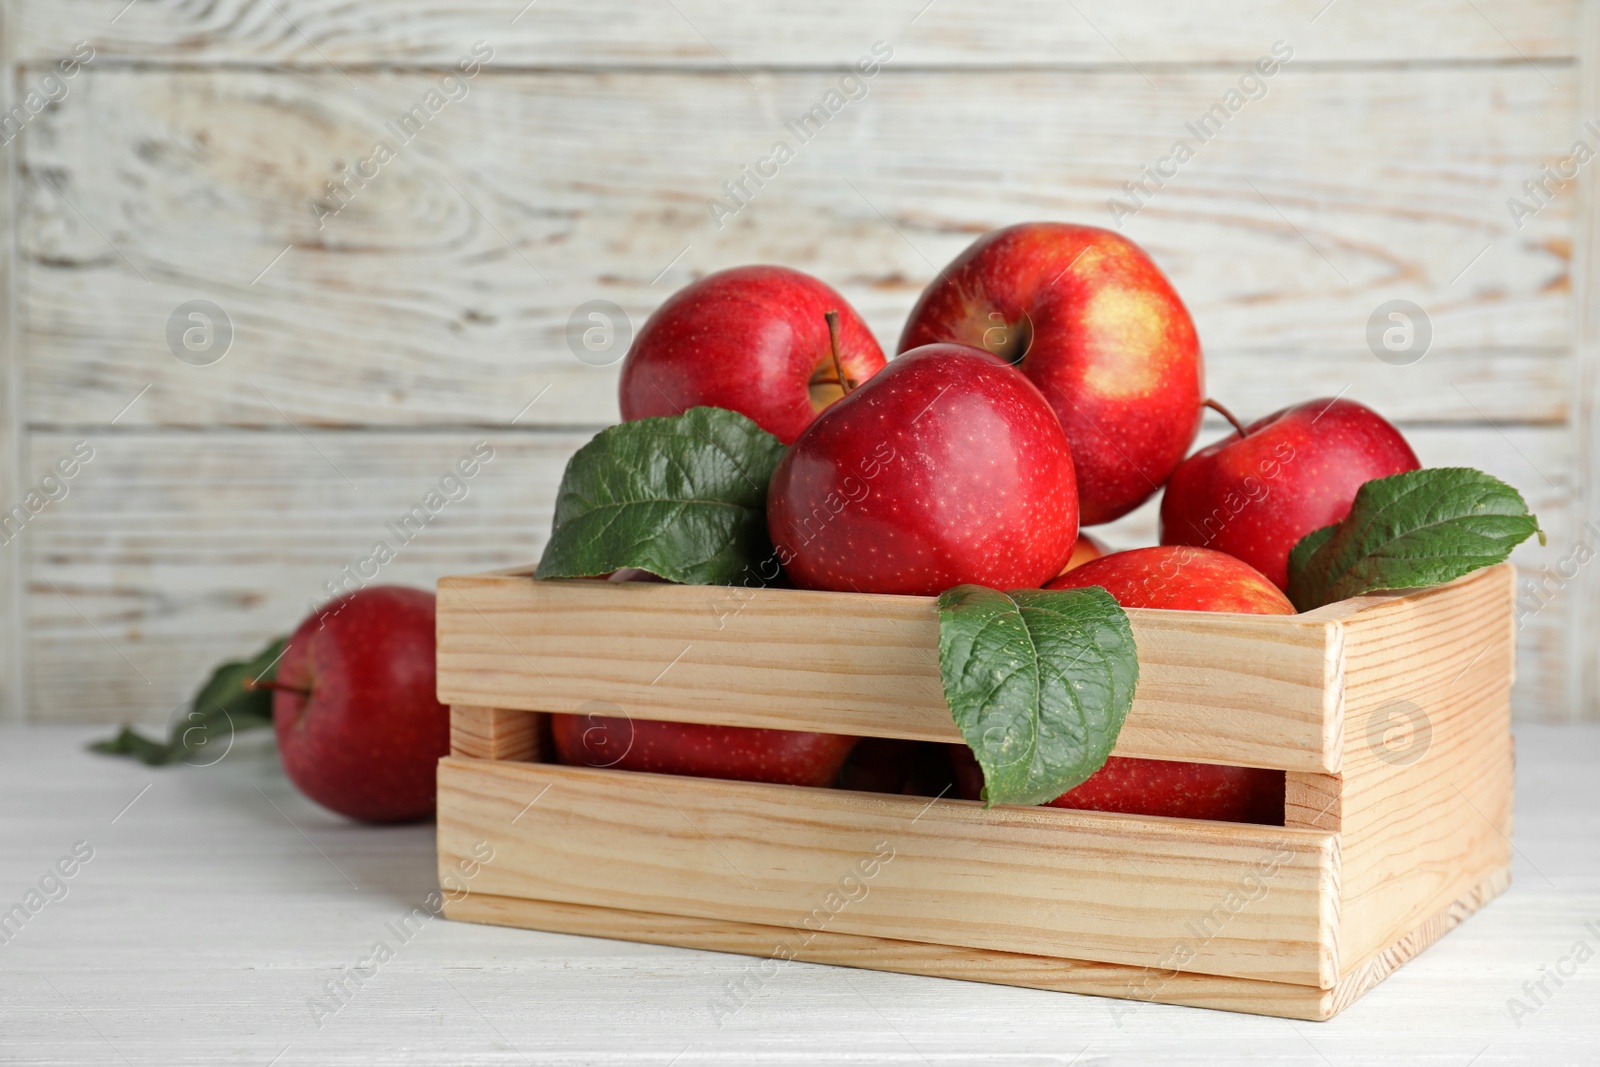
(1131, 325)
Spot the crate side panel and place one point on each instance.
(1245, 690)
(1365, 974)
(780, 946)
(1245, 901)
(1428, 765)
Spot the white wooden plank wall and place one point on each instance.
(372, 350)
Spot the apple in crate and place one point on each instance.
(359, 728)
(947, 467)
(1092, 321)
(1179, 579)
(746, 754)
(750, 339)
(1088, 548)
(1258, 491)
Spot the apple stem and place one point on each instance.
(257, 683)
(833, 345)
(1225, 413)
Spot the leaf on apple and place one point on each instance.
(1039, 682)
(223, 707)
(1410, 530)
(681, 496)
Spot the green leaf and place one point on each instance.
(682, 496)
(1039, 682)
(222, 708)
(1306, 547)
(1410, 530)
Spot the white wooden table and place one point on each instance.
(218, 903)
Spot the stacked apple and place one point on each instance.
(1049, 377)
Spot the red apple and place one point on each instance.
(1087, 548)
(947, 467)
(751, 339)
(1086, 315)
(1259, 490)
(1179, 578)
(744, 754)
(359, 728)
(1135, 786)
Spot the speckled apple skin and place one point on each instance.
(1134, 786)
(368, 740)
(748, 339)
(1184, 790)
(1179, 578)
(787, 757)
(1294, 471)
(948, 467)
(1113, 348)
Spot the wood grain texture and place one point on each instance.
(702, 33)
(1246, 690)
(1262, 691)
(175, 551)
(184, 548)
(1582, 676)
(1313, 801)
(1282, 999)
(948, 871)
(183, 160)
(495, 733)
(13, 426)
(441, 294)
(1427, 778)
(1380, 965)
(1150, 985)
(1381, 859)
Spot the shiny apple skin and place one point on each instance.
(367, 741)
(948, 467)
(1179, 578)
(1182, 790)
(1112, 348)
(750, 339)
(1293, 472)
(745, 754)
(1134, 786)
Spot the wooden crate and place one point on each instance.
(1390, 837)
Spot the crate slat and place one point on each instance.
(1042, 881)
(1234, 689)
(1139, 984)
